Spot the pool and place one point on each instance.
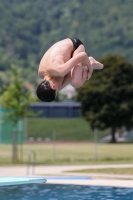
(64, 192)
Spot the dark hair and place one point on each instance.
(45, 92)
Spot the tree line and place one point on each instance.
(29, 28)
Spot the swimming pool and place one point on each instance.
(64, 192)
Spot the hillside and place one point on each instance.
(29, 27)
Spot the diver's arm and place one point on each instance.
(65, 68)
(64, 81)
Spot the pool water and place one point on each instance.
(64, 192)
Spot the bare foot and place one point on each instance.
(95, 64)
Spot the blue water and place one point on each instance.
(64, 192)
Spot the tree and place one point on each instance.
(15, 99)
(107, 98)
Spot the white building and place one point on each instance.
(69, 91)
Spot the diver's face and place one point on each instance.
(54, 86)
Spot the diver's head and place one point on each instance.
(46, 91)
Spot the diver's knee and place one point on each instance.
(76, 83)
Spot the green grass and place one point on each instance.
(82, 153)
(123, 171)
(67, 129)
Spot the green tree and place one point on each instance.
(15, 99)
(107, 98)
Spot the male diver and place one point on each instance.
(65, 62)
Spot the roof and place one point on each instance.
(57, 104)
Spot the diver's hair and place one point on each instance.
(45, 92)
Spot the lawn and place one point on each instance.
(67, 129)
(71, 153)
(123, 171)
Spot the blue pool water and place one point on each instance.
(64, 192)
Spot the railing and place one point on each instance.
(30, 154)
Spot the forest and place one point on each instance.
(28, 28)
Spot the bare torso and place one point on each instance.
(61, 52)
(65, 65)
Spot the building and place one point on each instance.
(57, 109)
(69, 91)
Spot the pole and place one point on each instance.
(25, 128)
(54, 144)
(21, 152)
(14, 146)
(95, 144)
(21, 146)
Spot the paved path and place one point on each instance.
(53, 170)
(102, 179)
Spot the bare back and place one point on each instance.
(61, 52)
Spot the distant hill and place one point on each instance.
(28, 28)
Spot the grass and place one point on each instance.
(81, 153)
(67, 129)
(123, 171)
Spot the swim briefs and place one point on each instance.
(76, 43)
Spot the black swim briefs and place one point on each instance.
(76, 43)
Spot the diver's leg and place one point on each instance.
(79, 72)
